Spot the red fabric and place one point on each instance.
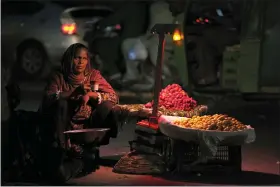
(58, 83)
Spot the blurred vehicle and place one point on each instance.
(249, 68)
(36, 33)
(128, 21)
(141, 52)
(96, 33)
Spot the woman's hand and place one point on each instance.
(85, 99)
(93, 95)
(88, 96)
(86, 87)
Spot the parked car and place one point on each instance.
(36, 33)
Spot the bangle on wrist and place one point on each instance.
(57, 94)
(99, 98)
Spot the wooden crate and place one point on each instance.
(147, 140)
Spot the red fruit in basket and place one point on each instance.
(173, 97)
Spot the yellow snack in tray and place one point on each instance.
(218, 122)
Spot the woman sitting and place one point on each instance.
(70, 102)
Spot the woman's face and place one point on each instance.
(80, 61)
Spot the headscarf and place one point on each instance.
(67, 64)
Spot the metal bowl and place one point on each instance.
(86, 136)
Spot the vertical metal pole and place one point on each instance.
(158, 74)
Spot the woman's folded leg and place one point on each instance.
(104, 117)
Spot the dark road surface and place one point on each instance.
(259, 158)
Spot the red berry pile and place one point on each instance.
(173, 97)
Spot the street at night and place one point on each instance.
(145, 93)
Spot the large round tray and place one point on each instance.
(139, 110)
(207, 136)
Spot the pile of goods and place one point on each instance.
(173, 97)
(132, 107)
(173, 101)
(196, 111)
(134, 110)
(217, 122)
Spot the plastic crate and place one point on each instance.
(180, 155)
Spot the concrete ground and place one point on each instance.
(259, 158)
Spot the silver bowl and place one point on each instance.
(86, 136)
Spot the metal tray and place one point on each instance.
(87, 136)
